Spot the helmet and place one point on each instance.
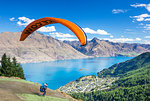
(45, 84)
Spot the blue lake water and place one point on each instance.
(61, 72)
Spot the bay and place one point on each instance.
(60, 72)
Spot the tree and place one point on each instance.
(9, 68)
(3, 63)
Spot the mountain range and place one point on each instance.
(36, 48)
(105, 48)
(39, 47)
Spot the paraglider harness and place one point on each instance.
(43, 89)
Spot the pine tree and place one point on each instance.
(9, 68)
(3, 63)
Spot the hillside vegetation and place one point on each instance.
(124, 67)
(10, 67)
(133, 84)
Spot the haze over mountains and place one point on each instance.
(39, 47)
(36, 48)
(105, 48)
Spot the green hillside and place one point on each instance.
(133, 84)
(124, 67)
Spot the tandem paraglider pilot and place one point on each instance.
(43, 89)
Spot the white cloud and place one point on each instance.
(141, 24)
(138, 5)
(147, 37)
(122, 39)
(111, 36)
(148, 19)
(128, 29)
(62, 35)
(147, 6)
(146, 42)
(144, 31)
(110, 39)
(47, 29)
(138, 39)
(68, 39)
(99, 31)
(141, 17)
(24, 21)
(12, 19)
(115, 11)
(147, 27)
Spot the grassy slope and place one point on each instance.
(31, 97)
(15, 80)
(18, 90)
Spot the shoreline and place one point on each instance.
(54, 60)
(89, 57)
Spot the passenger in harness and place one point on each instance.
(43, 89)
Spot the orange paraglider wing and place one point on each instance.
(33, 26)
(83, 69)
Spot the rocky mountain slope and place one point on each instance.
(100, 48)
(36, 48)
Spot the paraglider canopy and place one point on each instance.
(33, 26)
(83, 69)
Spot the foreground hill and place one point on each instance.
(15, 89)
(36, 48)
(100, 48)
(133, 83)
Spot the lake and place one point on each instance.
(60, 72)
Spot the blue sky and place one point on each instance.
(114, 20)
